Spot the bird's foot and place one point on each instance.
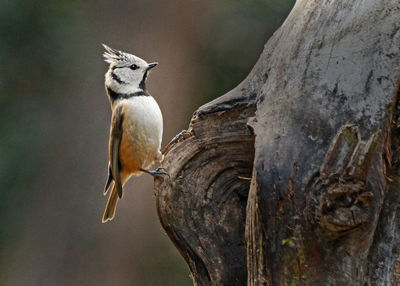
(159, 172)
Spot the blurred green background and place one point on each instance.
(54, 124)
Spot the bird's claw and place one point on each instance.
(159, 172)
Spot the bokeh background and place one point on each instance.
(54, 124)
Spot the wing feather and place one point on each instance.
(115, 142)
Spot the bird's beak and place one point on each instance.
(151, 65)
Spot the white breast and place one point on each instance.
(142, 128)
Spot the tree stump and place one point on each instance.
(292, 178)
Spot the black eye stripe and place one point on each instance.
(123, 67)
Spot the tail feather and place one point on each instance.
(111, 206)
(109, 181)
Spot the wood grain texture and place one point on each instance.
(202, 203)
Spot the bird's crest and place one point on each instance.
(113, 56)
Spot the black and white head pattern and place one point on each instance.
(127, 73)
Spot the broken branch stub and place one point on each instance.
(344, 202)
(202, 203)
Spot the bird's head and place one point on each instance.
(127, 73)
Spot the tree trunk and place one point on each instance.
(292, 178)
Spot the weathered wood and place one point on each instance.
(315, 126)
(202, 203)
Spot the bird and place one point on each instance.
(136, 124)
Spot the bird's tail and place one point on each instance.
(111, 206)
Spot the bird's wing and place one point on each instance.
(115, 142)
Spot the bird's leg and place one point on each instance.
(159, 172)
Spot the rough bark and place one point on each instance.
(316, 127)
(202, 203)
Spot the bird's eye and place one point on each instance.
(134, 67)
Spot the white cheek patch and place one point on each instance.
(124, 80)
(136, 77)
(129, 76)
(116, 78)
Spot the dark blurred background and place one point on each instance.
(54, 124)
